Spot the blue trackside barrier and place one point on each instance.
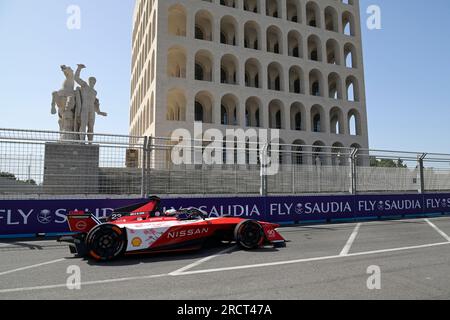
(25, 218)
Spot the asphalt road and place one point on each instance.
(320, 262)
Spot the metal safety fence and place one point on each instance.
(49, 165)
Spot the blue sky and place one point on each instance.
(406, 65)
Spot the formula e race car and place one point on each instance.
(142, 228)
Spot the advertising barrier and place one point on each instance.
(31, 217)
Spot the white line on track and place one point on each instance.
(56, 286)
(442, 233)
(179, 274)
(31, 266)
(199, 262)
(4, 245)
(350, 241)
(271, 264)
(346, 224)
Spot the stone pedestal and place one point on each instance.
(71, 168)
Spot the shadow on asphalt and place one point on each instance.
(161, 257)
(20, 246)
(174, 256)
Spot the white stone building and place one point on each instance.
(295, 65)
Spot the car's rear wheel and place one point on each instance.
(106, 242)
(249, 234)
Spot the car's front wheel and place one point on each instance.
(249, 234)
(106, 242)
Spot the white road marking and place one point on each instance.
(350, 241)
(4, 245)
(226, 268)
(442, 233)
(271, 264)
(31, 267)
(345, 224)
(56, 286)
(199, 262)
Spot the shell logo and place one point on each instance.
(136, 242)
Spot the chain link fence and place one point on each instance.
(51, 165)
(45, 164)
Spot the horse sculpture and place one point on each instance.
(64, 99)
(76, 108)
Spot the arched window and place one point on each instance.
(334, 86)
(251, 5)
(313, 15)
(176, 105)
(293, 10)
(176, 62)
(331, 19)
(297, 152)
(295, 47)
(317, 123)
(203, 26)
(348, 23)
(319, 154)
(338, 156)
(297, 116)
(317, 116)
(276, 115)
(252, 73)
(252, 34)
(314, 48)
(252, 107)
(272, 8)
(296, 80)
(333, 52)
(274, 41)
(350, 56)
(336, 121)
(203, 66)
(354, 123)
(177, 20)
(203, 107)
(352, 89)
(229, 110)
(275, 76)
(228, 30)
(229, 69)
(228, 3)
(316, 83)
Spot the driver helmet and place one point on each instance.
(171, 212)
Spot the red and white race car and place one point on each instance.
(141, 228)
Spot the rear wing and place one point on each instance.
(149, 207)
(81, 222)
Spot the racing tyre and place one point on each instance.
(249, 234)
(106, 242)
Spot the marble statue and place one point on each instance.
(76, 107)
(90, 105)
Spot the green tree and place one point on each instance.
(8, 175)
(387, 163)
(11, 176)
